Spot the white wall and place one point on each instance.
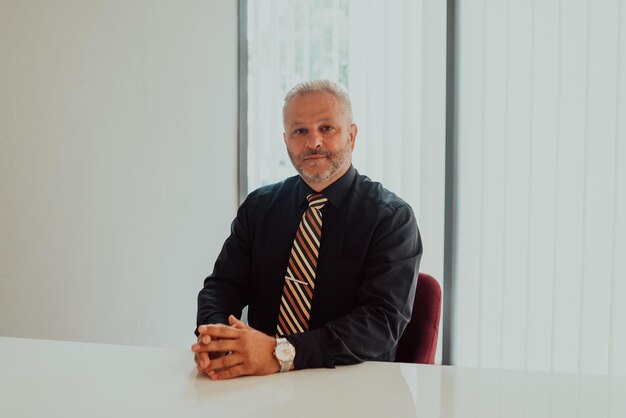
(541, 274)
(118, 176)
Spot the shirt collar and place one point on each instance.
(336, 192)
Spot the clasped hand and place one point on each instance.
(224, 352)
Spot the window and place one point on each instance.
(390, 57)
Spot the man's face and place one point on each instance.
(319, 139)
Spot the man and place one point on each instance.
(326, 261)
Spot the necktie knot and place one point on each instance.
(316, 200)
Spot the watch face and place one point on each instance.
(285, 351)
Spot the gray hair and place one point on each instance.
(317, 86)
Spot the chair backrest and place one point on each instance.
(418, 343)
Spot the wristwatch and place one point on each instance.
(284, 352)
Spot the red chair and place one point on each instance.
(418, 343)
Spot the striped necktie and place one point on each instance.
(295, 304)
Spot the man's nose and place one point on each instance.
(314, 141)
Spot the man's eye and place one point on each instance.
(327, 128)
(300, 131)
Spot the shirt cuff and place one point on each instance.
(308, 350)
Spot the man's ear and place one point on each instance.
(352, 132)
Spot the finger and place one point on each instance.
(220, 331)
(228, 373)
(198, 347)
(226, 361)
(202, 361)
(202, 329)
(202, 342)
(233, 321)
(217, 346)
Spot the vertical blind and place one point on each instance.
(541, 269)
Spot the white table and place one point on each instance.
(64, 379)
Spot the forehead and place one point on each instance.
(313, 106)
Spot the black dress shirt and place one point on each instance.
(366, 274)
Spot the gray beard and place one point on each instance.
(338, 160)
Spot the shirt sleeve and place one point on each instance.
(385, 300)
(225, 291)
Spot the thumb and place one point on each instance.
(236, 323)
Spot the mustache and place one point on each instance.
(319, 153)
